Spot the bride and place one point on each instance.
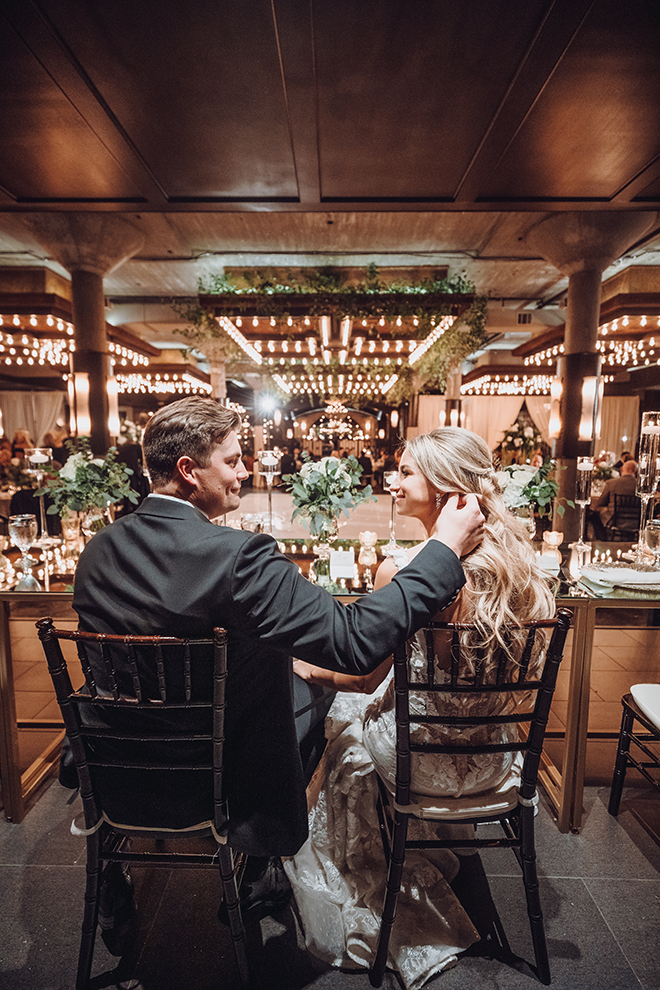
(338, 876)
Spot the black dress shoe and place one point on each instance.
(117, 907)
(268, 892)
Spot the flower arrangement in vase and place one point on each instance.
(323, 489)
(89, 485)
(520, 441)
(526, 489)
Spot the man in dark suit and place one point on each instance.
(626, 484)
(165, 569)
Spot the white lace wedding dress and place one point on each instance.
(338, 877)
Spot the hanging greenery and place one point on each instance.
(323, 292)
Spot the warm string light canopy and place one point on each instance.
(44, 339)
(162, 384)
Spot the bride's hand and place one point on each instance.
(460, 525)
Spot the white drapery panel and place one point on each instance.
(538, 407)
(428, 415)
(619, 424)
(37, 412)
(490, 415)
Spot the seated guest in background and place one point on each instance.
(287, 463)
(20, 442)
(55, 440)
(165, 569)
(623, 485)
(339, 875)
(625, 456)
(130, 454)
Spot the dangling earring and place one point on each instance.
(438, 500)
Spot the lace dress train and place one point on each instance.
(338, 877)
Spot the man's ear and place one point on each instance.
(186, 468)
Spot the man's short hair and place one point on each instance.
(192, 427)
(629, 467)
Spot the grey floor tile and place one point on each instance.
(631, 909)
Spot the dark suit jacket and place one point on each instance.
(624, 485)
(166, 569)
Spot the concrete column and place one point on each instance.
(89, 246)
(582, 246)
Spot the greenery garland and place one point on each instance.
(322, 292)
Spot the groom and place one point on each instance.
(166, 570)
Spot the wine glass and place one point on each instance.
(37, 462)
(23, 533)
(647, 471)
(390, 479)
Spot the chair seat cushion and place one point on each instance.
(498, 801)
(647, 697)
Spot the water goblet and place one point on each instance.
(390, 479)
(23, 533)
(37, 462)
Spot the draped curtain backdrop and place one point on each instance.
(619, 424)
(491, 415)
(538, 407)
(37, 412)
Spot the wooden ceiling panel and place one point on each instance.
(196, 89)
(596, 124)
(49, 151)
(406, 92)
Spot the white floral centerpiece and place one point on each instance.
(86, 482)
(523, 485)
(520, 440)
(323, 489)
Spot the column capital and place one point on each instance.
(92, 242)
(587, 241)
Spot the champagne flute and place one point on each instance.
(23, 533)
(390, 478)
(37, 462)
(647, 471)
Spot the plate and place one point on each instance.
(622, 577)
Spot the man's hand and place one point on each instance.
(460, 525)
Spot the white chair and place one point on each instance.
(641, 705)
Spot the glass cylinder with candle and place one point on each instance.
(585, 470)
(37, 462)
(269, 466)
(647, 470)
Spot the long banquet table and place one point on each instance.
(563, 784)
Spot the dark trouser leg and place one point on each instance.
(310, 704)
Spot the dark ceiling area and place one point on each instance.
(283, 132)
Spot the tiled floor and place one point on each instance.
(600, 892)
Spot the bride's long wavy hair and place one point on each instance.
(504, 584)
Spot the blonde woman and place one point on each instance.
(338, 876)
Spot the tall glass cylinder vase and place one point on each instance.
(647, 471)
(326, 533)
(585, 471)
(37, 462)
(269, 466)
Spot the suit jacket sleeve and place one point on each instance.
(284, 610)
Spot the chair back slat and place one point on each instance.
(83, 656)
(162, 685)
(110, 673)
(131, 659)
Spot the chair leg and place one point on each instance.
(621, 764)
(91, 911)
(531, 881)
(236, 927)
(392, 888)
